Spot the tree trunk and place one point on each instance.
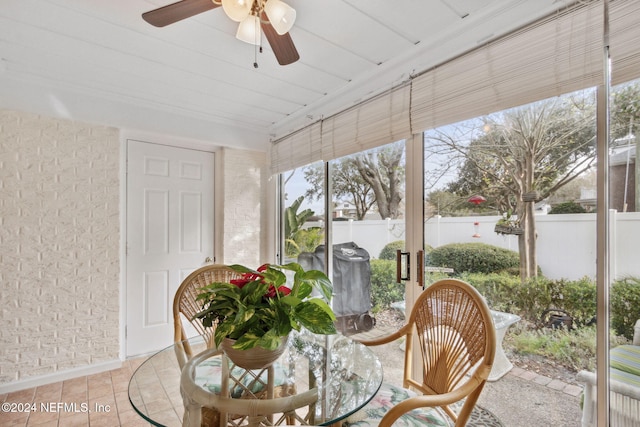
(532, 237)
(527, 243)
(381, 174)
(522, 251)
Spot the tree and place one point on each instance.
(365, 179)
(519, 156)
(625, 110)
(380, 169)
(347, 184)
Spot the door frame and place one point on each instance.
(126, 135)
(414, 211)
(414, 232)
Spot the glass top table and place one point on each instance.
(346, 373)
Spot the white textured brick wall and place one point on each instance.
(245, 201)
(59, 245)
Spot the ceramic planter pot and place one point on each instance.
(253, 358)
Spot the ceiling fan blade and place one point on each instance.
(178, 11)
(282, 45)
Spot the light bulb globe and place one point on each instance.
(281, 15)
(237, 10)
(249, 30)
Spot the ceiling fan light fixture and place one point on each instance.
(237, 10)
(281, 15)
(249, 30)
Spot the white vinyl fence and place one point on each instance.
(566, 245)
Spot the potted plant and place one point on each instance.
(260, 309)
(507, 225)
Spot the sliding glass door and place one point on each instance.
(510, 209)
(518, 176)
(353, 234)
(367, 229)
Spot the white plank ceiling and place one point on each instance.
(97, 61)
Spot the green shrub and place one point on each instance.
(504, 292)
(574, 349)
(538, 294)
(579, 299)
(390, 249)
(427, 254)
(384, 289)
(567, 208)
(625, 305)
(474, 258)
(496, 288)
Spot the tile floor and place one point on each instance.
(105, 395)
(98, 400)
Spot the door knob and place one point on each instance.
(208, 260)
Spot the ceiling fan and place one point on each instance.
(274, 17)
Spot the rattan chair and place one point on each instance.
(185, 307)
(454, 329)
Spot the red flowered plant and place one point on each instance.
(261, 306)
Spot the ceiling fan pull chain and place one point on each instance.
(255, 58)
(258, 44)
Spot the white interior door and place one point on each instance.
(169, 234)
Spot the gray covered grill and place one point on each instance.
(351, 284)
